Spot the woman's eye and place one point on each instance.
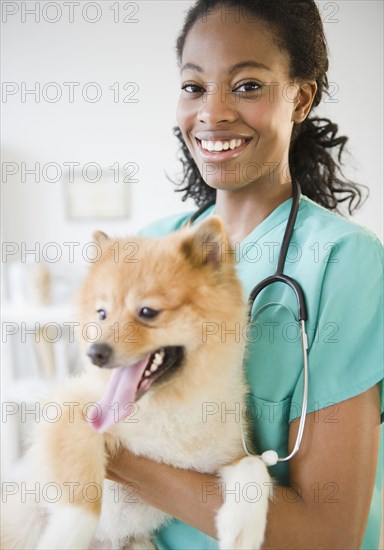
(250, 86)
(102, 314)
(192, 88)
(148, 313)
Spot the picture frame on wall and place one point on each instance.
(94, 193)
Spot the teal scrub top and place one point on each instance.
(339, 265)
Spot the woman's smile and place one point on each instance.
(220, 148)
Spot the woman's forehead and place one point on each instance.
(216, 41)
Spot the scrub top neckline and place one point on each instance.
(279, 215)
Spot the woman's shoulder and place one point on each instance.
(320, 223)
(166, 225)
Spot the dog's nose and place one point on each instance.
(99, 354)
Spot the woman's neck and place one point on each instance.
(244, 209)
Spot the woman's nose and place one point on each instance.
(217, 106)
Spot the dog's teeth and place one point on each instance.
(157, 360)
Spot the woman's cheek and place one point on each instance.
(269, 118)
(259, 112)
(185, 113)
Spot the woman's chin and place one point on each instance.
(227, 184)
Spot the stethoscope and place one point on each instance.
(271, 457)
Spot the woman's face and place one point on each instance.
(237, 102)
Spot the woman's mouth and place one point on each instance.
(222, 150)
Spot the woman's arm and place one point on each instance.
(331, 481)
(331, 478)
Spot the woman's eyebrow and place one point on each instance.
(232, 68)
(192, 67)
(246, 64)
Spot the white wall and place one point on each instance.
(356, 70)
(105, 132)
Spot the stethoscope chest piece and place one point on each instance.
(270, 458)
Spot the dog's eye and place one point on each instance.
(148, 313)
(102, 314)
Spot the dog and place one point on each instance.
(165, 366)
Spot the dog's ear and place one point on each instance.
(100, 237)
(205, 243)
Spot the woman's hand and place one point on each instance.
(181, 493)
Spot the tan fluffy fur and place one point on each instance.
(176, 275)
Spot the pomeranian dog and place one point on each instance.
(167, 366)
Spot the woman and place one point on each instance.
(251, 73)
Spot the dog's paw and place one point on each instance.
(69, 528)
(242, 519)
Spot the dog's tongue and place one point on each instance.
(116, 404)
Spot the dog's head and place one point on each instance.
(159, 305)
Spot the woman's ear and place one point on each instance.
(304, 100)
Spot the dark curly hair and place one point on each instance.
(298, 29)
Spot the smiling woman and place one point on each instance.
(251, 72)
(262, 89)
(247, 106)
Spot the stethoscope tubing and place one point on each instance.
(271, 457)
(294, 285)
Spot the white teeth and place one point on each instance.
(218, 146)
(158, 359)
(235, 143)
(147, 373)
(156, 362)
